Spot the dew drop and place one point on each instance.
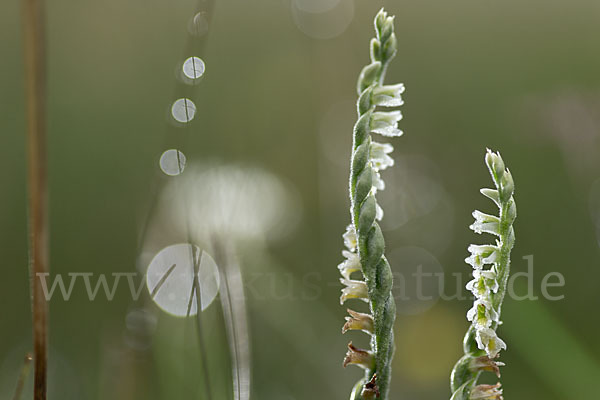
(193, 68)
(170, 279)
(172, 162)
(183, 110)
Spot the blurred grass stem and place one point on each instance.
(23, 377)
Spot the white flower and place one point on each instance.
(482, 314)
(350, 264)
(379, 155)
(478, 287)
(475, 261)
(485, 223)
(484, 281)
(488, 253)
(350, 239)
(378, 183)
(354, 290)
(378, 212)
(490, 342)
(388, 95)
(386, 123)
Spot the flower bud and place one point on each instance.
(495, 165)
(387, 29)
(368, 75)
(507, 186)
(511, 213)
(380, 19)
(390, 47)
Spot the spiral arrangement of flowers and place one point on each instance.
(363, 238)
(491, 268)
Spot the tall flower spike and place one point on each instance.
(363, 238)
(482, 344)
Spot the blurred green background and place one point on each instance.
(278, 93)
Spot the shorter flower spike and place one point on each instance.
(358, 322)
(491, 270)
(359, 357)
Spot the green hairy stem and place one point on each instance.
(363, 238)
(481, 344)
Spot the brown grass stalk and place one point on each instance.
(35, 97)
